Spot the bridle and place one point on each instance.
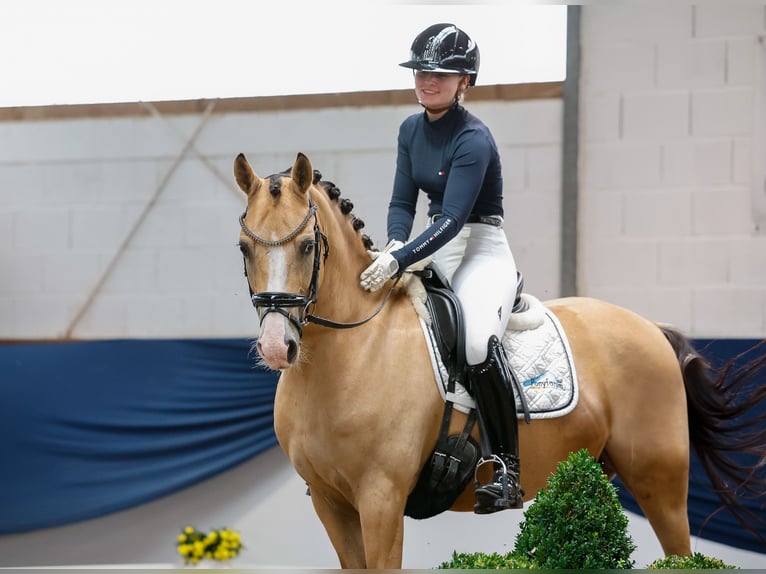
(280, 301)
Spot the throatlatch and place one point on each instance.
(492, 385)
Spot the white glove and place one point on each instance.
(382, 268)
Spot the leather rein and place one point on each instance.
(280, 301)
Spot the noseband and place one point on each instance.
(280, 301)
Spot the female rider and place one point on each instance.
(451, 155)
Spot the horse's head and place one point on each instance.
(284, 243)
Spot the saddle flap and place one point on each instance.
(447, 323)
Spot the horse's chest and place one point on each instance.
(321, 435)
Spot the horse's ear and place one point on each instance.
(244, 174)
(303, 173)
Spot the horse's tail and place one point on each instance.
(724, 423)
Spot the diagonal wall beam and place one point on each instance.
(188, 145)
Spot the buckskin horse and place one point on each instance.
(358, 413)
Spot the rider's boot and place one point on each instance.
(492, 387)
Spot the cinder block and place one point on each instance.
(234, 316)
(657, 214)
(622, 165)
(728, 311)
(703, 162)
(728, 19)
(695, 262)
(600, 115)
(41, 230)
(20, 186)
(544, 167)
(623, 263)
(21, 274)
(742, 161)
(158, 316)
(7, 323)
(163, 226)
(748, 262)
(717, 212)
(722, 112)
(526, 123)
(655, 115)
(534, 214)
(6, 232)
(198, 317)
(73, 271)
(43, 316)
(662, 304)
(538, 261)
(602, 214)
(134, 272)
(102, 227)
(211, 224)
(515, 178)
(635, 22)
(187, 269)
(107, 316)
(617, 66)
(741, 60)
(691, 63)
(190, 180)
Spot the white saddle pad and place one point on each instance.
(540, 359)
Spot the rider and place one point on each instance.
(451, 155)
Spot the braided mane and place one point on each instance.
(333, 192)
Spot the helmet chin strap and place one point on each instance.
(455, 102)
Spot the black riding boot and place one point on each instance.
(492, 387)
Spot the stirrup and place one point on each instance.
(497, 494)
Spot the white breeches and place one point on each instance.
(481, 269)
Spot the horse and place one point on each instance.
(358, 413)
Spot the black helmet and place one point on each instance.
(444, 48)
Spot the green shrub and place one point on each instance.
(479, 561)
(576, 521)
(696, 561)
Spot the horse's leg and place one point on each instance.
(660, 486)
(654, 463)
(381, 508)
(341, 521)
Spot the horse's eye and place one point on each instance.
(244, 248)
(308, 247)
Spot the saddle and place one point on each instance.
(454, 459)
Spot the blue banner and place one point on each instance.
(90, 428)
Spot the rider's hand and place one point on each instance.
(382, 268)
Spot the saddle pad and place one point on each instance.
(541, 361)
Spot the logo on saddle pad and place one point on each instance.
(544, 380)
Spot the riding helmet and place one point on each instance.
(444, 48)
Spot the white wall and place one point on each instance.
(71, 191)
(666, 227)
(668, 120)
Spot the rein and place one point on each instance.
(280, 301)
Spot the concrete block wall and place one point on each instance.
(127, 226)
(668, 223)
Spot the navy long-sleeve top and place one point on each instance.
(455, 161)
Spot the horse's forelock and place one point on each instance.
(275, 185)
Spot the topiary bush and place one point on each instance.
(480, 561)
(576, 521)
(696, 561)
